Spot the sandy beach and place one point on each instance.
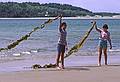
(34, 35)
(71, 74)
(80, 69)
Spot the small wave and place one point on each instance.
(92, 39)
(116, 50)
(34, 38)
(42, 50)
(3, 55)
(17, 55)
(27, 52)
(34, 51)
(22, 53)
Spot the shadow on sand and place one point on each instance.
(114, 65)
(76, 68)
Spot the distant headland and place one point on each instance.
(32, 9)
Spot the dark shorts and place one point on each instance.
(102, 44)
(61, 48)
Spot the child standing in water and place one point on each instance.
(104, 37)
(62, 44)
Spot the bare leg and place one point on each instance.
(99, 56)
(62, 60)
(57, 59)
(105, 55)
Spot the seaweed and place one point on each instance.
(25, 37)
(77, 46)
(37, 66)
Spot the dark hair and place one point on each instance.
(105, 26)
(63, 23)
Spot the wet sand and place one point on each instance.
(78, 69)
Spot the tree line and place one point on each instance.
(30, 9)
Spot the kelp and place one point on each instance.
(37, 66)
(79, 45)
(25, 37)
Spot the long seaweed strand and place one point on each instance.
(77, 46)
(25, 37)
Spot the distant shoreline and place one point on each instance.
(66, 18)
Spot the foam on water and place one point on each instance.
(34, 51)
(17, 54)
(114, 50)
(26, 52)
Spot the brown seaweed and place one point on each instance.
(25, 37)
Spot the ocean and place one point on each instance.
(44, 42)
(41, 47)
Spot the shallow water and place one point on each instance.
(44, 42)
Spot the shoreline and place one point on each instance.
(21, 65)
(66, 18)
(81, 71)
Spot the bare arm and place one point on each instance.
(60, 23)
(109, 40)
(97, 28)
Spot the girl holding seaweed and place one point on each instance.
(102, 46)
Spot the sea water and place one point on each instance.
(44, 41)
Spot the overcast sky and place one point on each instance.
(93, 5)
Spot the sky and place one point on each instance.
(93, 5)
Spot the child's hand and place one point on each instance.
(94, 22)
(66, 48)
(61, 16)
(57, 17)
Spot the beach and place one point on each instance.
(77, 69)
(59, 41)
(80, 74)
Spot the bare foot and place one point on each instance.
(106, 64)
(99, 64)
(58, 67)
